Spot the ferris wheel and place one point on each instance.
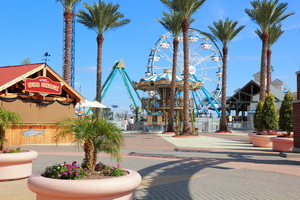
(205, 64)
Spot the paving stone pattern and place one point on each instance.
(172, 172)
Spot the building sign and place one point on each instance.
(42, 85)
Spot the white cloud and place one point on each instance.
(249, 58)
(92, 68)
(282, 77)
(291, 27)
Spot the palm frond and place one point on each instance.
(171, 22)
(185, 7)
(225, 31)
(69, 4)
(101, 17)
(266, 13)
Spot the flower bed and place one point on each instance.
(74, 171)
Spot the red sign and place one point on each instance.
(42, 85)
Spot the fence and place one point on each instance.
(203, 125)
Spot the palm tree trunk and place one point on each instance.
(186, 117)
(223, 125)
(94, 158)
(264, 38)
(173, 87)
(269, 54)
(68, 18)
(100, 40)
(88, 148)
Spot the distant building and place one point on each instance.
(242, 104)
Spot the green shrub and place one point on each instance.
(257, 117)
(269, 117)
(286, 113)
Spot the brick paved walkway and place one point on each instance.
(175, 170)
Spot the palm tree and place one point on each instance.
(101, 18)
(185, 8)
(172, 22)
(69, 6)
(95, 135)
(7, 118)
(25, 61)
(265, 14)
(274, 33)
(225, 32)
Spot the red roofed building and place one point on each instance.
(38, 94)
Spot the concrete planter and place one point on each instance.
(250, 135)
(16, 165)
(262, 140)
(282, 143)
(120, 188)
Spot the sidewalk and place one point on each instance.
(213, 166)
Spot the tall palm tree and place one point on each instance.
(7, 118)
(101, 18)
(265, 14)
(172, 22)
(225, 32)
(69, 6)
(274, 33)
(186, 8)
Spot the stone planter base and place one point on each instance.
(186, 136)
(168, 133)
(120, 188)
(223, 132)
(262, 140)
(16, 165)
(282, 144)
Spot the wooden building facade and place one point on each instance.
(40, 96)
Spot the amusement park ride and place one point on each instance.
(119, 66)
(205, 63)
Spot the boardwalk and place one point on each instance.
(213, 166)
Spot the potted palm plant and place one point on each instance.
(14, 163)
(94, 135)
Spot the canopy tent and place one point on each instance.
(92, 104)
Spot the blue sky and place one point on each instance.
(32, 27)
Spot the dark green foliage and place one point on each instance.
(7, 119)
(286, 113)
(94, 135)
(269, 117)
(257, 117)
